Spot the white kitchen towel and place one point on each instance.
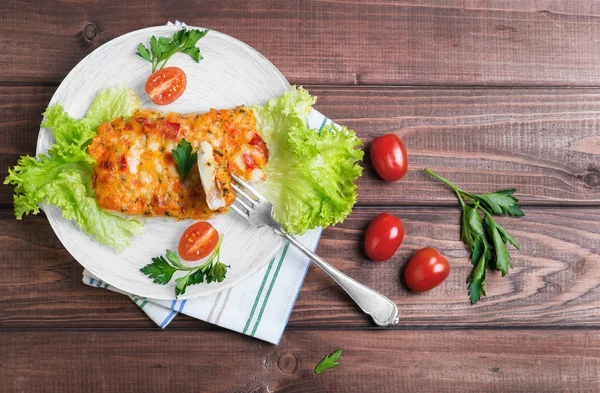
(259, 306)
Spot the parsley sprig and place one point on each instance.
(329, 361)
(184, 158)
(484, 238)
(161, 270)
(162, 48)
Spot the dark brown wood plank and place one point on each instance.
(335, 42)
(555, 282)
(545, 142)
(373, 361)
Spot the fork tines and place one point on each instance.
(244, 200)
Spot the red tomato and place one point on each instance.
(384, 236)
(389, 157)
(166, 85)
(260, 143)
(426, 270)
(123, 163)
(198, 241)
(170, 130)
(249, 161)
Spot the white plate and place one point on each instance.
(231, 74)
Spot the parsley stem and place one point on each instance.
(189, 272)
(459, 193)
(460, 198)
(165, 62)
(446, 182)
(473, 201)
(216, 254)
(489, 216)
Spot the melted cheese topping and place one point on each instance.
(135, 172)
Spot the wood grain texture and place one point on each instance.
(538, 328)
(544, 142)
(336, 42)
(555, 282)
(372, 361)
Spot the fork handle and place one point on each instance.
(383, 311)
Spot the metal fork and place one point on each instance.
(258, 211)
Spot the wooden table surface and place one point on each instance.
(489, 93)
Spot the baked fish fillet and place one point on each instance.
(135, 172)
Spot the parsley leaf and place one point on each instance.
(162, 48)
(329, 361)
(500, 202)
(174, 259)
(472, 227)
(484, 238)
(144, 52)
(217, 272)
(507, 238)
(476, 279)
(181, 284)
(159, 270)
(502, 256)
(210, 271)
(184, 158)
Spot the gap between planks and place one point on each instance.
(425, 86)
(215, 328)
(8, 207)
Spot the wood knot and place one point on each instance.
(90, 31)
(287, 364)
(90, 37)
(579, 266)
(592, 179)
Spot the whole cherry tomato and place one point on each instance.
(389, 157)
(384, 236)
(198, 241)
(166, 85)
(426, 270)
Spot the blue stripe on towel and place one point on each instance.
(171, 314)
(168, 319)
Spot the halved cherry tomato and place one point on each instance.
(426, 270)
(198, 241)
(389, 157)
(384, 236)
(166, 85)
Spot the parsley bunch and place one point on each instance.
(162, 48)
(484, 238)
(162, 271)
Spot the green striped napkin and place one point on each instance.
(259, 306)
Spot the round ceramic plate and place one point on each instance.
(231, 74)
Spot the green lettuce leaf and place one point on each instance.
(65, 129)
(310, 174)
(62, 176)
(111, 103)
